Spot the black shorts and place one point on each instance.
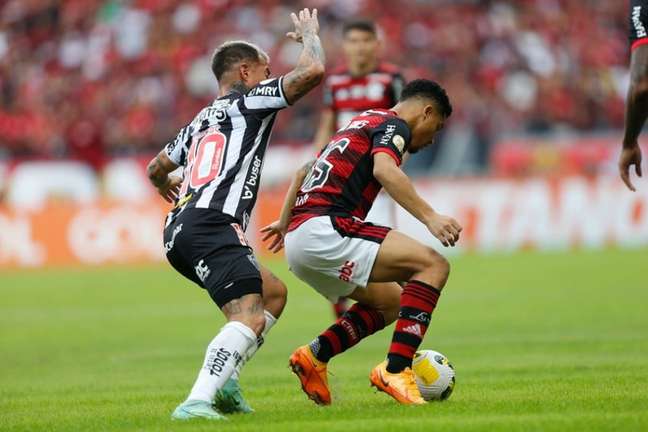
(211, 250)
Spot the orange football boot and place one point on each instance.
(312, 374)
(401, 386)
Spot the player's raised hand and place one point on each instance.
(169, 190)
(305, 22)
(630, 156)
(275, 231)
(444, 228)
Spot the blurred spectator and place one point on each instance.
(88, 78)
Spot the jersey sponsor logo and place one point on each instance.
(399, 142)
(263, 90)
(202, 271)
(251, 182)
(414, 329)
(169, 245)
(636, 21)
(346, 272)
(389, 132)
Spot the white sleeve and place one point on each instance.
(178, 149)
(266, 97)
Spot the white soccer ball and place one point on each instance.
(435, 376)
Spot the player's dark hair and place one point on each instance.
(230, 53)
(430, 90)
(359, 24)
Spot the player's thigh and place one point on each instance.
(400, 257)
(275, 292)
(384, 297)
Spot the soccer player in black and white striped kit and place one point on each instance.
(221, 152)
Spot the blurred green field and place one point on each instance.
(539, 341)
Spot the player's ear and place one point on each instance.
(244, 71)
(429, 111)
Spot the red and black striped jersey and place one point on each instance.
(349, 95)
(341, 181)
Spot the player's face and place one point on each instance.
(360, 47)
(425, 131)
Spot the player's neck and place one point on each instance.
(236, 86)
(362, 69)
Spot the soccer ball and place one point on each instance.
(435, 376)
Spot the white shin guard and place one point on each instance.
(270, 320)
(224, 354)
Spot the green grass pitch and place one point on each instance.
(539, 341)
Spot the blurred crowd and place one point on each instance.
(89, 79)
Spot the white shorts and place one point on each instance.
(333, 254)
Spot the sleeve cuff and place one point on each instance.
(638, 43)
(389, 151)
(281, 90)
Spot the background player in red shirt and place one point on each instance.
(332, 248)
(364, 82)
(637, 104)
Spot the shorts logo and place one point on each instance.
(253, 261)
(202, 271)
(169, 245)
(346, 272)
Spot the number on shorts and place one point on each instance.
(321, 169)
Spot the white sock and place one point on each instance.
(223, 355)
(270, 320)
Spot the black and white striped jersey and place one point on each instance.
(222, 151)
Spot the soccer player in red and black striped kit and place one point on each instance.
(330, 246)
(637, 103)
(363, 82)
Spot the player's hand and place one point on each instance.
(630, 155)
(275, 231)
(306, 22)
(444, 228)
(169, 190)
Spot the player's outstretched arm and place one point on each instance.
(309, 71)
(636, 114)
(277, 230)
(325, 130)
(158, 173)
(401, 189)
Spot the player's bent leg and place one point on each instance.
(245, 322)
(383, 297)
(230, 398)
(403, 258)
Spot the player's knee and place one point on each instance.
(275, 297)
(255, 321)
(436, 269)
